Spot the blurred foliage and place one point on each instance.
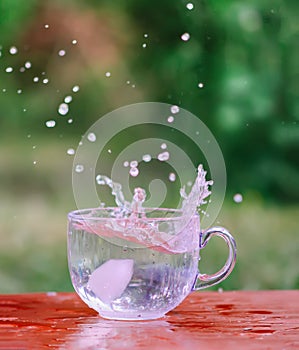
(244, 53)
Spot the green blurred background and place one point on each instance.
(238, 73)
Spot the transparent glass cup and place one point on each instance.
(139, 268)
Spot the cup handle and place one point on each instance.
(204, 280)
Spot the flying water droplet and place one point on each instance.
(50, 123)
(134, 164)
(68, 99)
(27, 64)
(190, 6)
(13, 50)
(70, 121)
(163, 146)
(185, 36)
(8, 69)
(144, 45)
(109, 151)
(238, 198)
(35, 79)
(63, 109)
(45, 81)
(145, 35)
(79, 168)
(76, 88)
(74, 42)
(61, 53)
(172, 177)
(170, 119)
(146, 158)
(174, 109)
(126, 164)
(91, 137)
(70, 151)
(134, 172)
(46, 26)
(163, 156)
(108, 74)
(34, 162)
(200, 85)
(19, 91)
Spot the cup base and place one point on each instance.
(131, 316)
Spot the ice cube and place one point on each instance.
(110, 280)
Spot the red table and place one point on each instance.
(205, 320)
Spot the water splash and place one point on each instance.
(116, 191)
(133, 225)
(191, 202)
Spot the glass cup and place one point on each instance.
(141, 267)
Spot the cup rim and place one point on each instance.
(85, 214)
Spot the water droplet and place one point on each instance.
(70, 121)
(144, 45)
(61, 53)
(91, 137)
(174, 109)
(200, 85)
(134, 164)
(34, 162)
(238, 198)
(3, 90)
(133, 86)
(13, 50)
(19, 91)
(145, 35)
(190, 6)
(63, 109)
(70, 151)
(170, 119)
(46, 26)
(128, 82)
(109, 151)
(197, 133)
(126, 164)
(185, 36)
(34, 147)
(27, 64)
(172, 177)
(146, 158)
(24, 110)
(74, 42)
(8, 69)
(108, 74)
(76, 88)
(79, 168)
(29, 136)
(68, 99)
(45, 81)
(134, 172)
(163, 156)
(163, 146)
(189, 183)
(50, 123)
(35, 79)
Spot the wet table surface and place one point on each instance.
(205, 320)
